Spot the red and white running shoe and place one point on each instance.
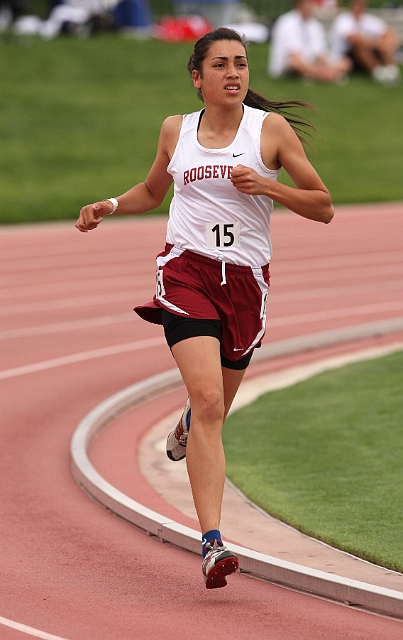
(177, 439)
(218, 563)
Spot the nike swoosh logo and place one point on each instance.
(236, 155)
(238, 349)
(204, 541)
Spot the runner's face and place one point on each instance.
(225, 75)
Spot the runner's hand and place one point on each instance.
(247, 180)
(92, 214)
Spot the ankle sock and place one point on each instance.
(214, 534)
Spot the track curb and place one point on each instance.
(352, 592)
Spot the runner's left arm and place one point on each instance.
(280, 147)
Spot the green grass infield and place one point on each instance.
(326, 456)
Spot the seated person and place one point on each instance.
(368, 40)
(74, 13)
(299, 47)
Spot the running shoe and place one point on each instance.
(177, 439)
(218, 563)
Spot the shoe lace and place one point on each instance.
(182, 430)
(183, 439)
(215, 548)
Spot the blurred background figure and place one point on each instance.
(367, 40)
(299, 47)
(133, 16)
(75, 13)
(69, 15)
(11, 10)
(84, 17)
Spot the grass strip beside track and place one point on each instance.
(326, 456)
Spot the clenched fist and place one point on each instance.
(247, 180)
(92, 214)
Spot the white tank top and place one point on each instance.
(208, 215)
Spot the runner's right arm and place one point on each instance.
(146, 195)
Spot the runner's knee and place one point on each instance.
(207, 406)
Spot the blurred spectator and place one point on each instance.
(81, 16)
(11, 10)
(75, 13)
(133, 15)
(368, 40)
(181, 29)
(72, 12)
(299, 47)
(328, 5)
(252, 31)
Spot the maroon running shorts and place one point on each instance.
(195, 286)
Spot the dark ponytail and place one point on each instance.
(302, 127)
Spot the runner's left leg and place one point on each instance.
(198, 359)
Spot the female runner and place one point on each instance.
(213, 276)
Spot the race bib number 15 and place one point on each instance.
(222, 234)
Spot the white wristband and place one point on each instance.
(115, 204)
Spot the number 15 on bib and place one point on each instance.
(220, 235)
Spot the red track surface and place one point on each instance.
(68, 567)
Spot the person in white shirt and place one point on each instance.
(299, 47)
(367, 40)
(213, 277)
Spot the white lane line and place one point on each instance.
(72, 325)
(99, 321)
(66, 249)
(256, 386)
(68, 303)
(347, 312)
(297, 318)
(361, 260)
(323, 275)
(129, 284)
(90, 284)
(281, 280)
(342, 292)
(86, 258)
(261, 565)
(119, 255)
(81, 357)
(29, 630)
(113, 258)
(121, 318)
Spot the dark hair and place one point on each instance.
(253, 98)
